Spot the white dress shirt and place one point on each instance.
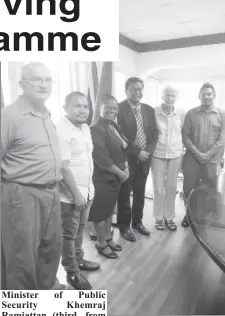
(76, 147)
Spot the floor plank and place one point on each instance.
(164, 274)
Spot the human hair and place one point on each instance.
(27, 68)
(107, 97)
(167, 89)
(207, 85)
(133, 80)
(69, 96)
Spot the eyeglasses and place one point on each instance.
(39, 81)
(110, 108)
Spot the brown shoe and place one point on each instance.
(127, 234)
(141, 229)
(89, 265)
(79, 282)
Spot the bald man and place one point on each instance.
(166, 159)
(30, 172)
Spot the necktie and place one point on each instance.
(140, 137)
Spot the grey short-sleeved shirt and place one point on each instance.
(30, 148)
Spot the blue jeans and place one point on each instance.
(73, 224)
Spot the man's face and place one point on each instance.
(37, 83)
(207, 97)
(170, 97)
(134, 92)
(109, 110)
(78, 109)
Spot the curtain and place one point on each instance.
(2, 98)
(105, 85)
(67, 76)
(91, 78)
(92, 89)
(101, 81)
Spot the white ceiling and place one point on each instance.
(157, 20)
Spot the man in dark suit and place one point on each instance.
(138, 124)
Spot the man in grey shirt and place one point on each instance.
(204, 139)
(30, 172)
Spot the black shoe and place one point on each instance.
(94, 237)
(89, 265)
(113, 246)
(184, 222)
(79, 282)
(127, 234)
(141, 228)
(106, 252)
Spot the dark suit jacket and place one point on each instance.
(127, 123)
(108, 151)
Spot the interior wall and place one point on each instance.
(186, 69)
(126, 67)
(209, 55)
(188, 91)
(128, 63)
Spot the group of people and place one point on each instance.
(57, 178)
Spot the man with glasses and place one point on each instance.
(30, 173)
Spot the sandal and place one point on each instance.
(113, 246)
(171, 225)
(159, 224)
(110, 255)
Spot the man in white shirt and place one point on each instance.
(77, 190)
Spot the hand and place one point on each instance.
(202, 157)
(80, 203)
(143, 156)
(206, 158)
(123, 176)
(126, 170)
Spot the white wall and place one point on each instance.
(151, 62)
(128, 64)
(186, 69)
(125, 68)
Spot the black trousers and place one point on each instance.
(195, 173)
(136, 183)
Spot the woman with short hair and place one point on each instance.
(165, 163)
(110, 171)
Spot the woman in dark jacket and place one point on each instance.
(110, 171)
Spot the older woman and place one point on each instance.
(166, 159)
(110, 171)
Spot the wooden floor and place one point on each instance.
(164, 274)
